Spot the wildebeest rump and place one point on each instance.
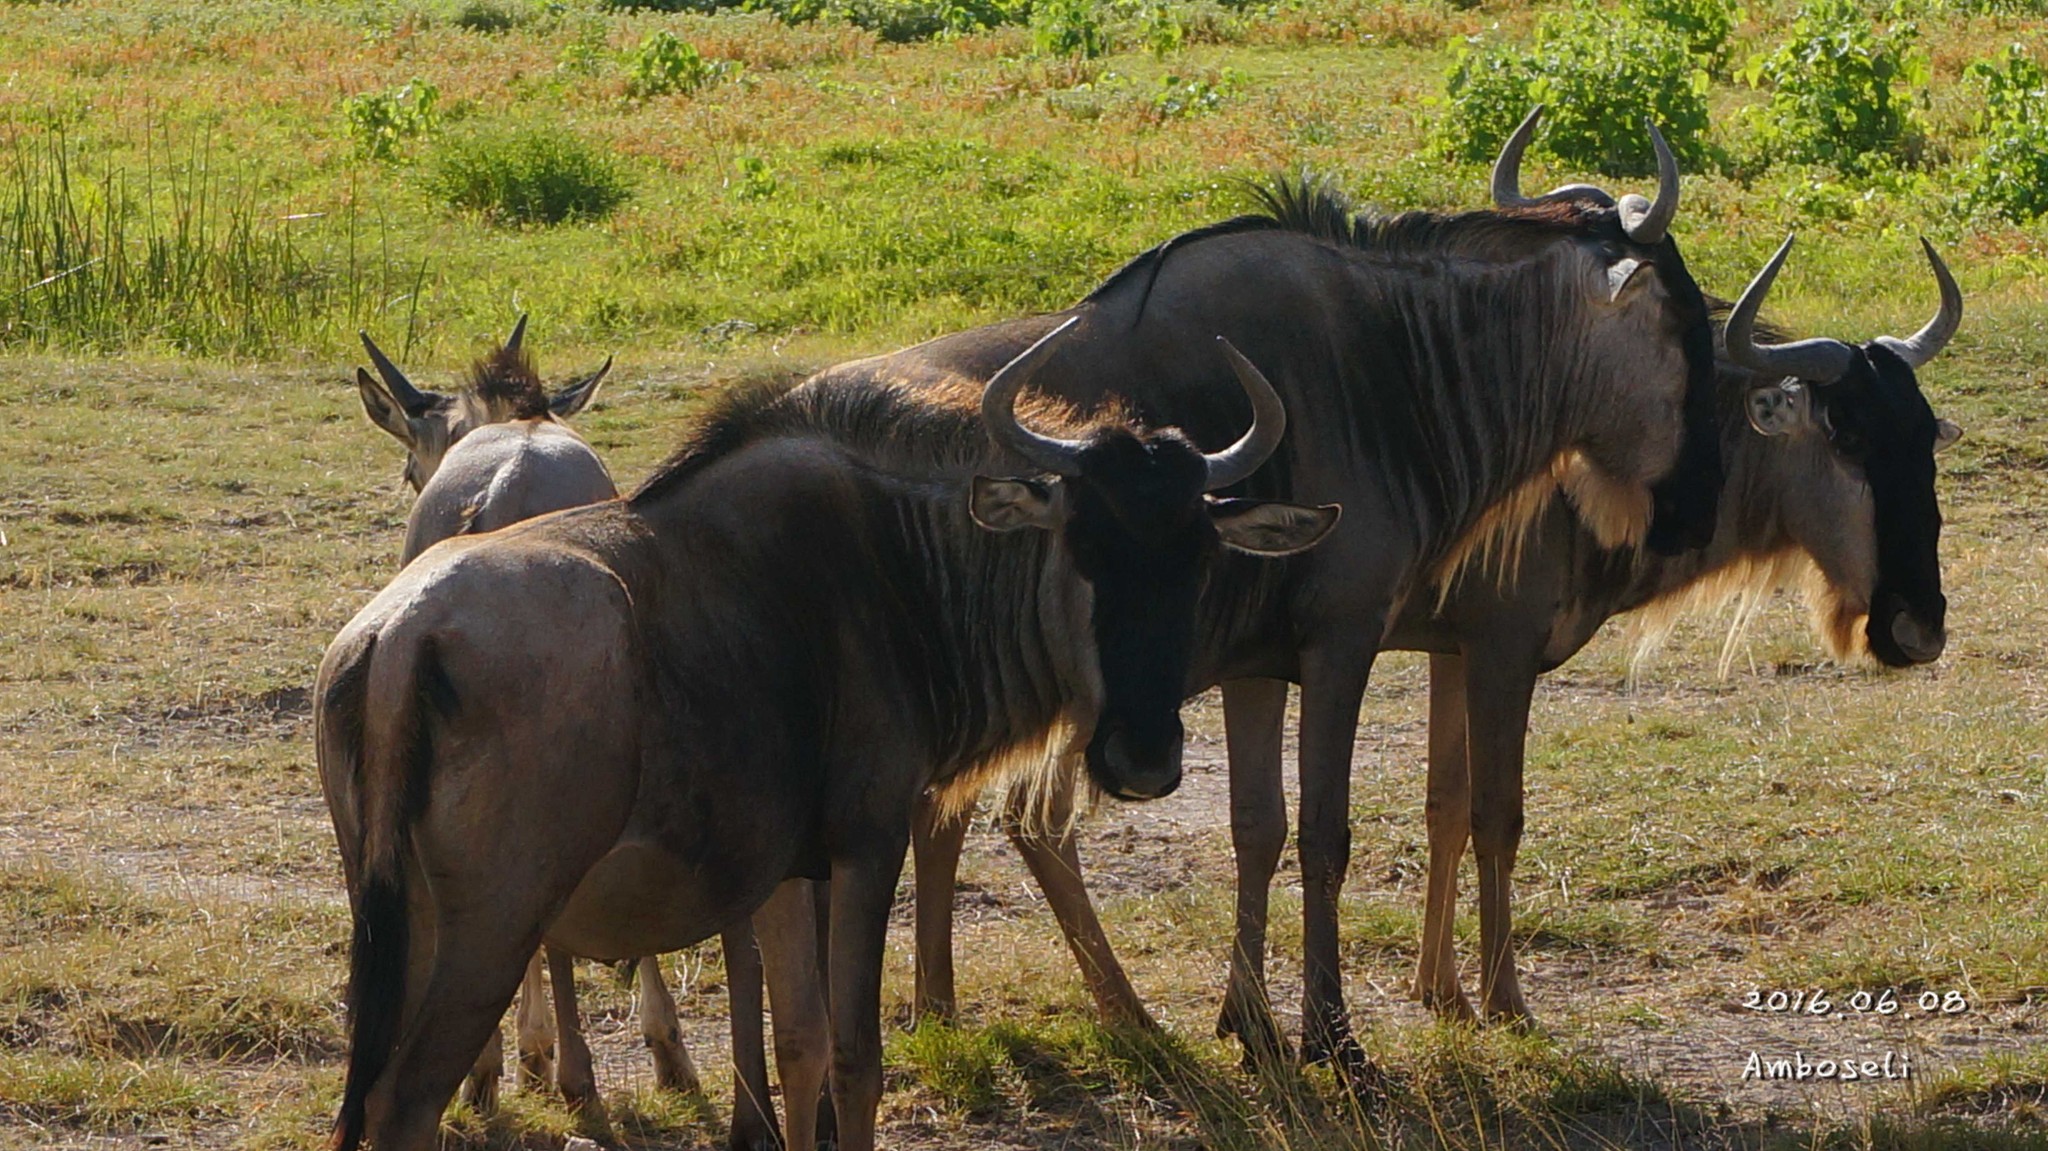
(1445, 376)
(753, 668)
(491, 456)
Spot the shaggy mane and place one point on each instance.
(506, 381)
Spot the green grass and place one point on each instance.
(191, 505)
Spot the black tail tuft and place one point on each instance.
(376, 995)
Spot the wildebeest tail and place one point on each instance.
(389, 762)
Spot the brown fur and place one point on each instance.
(507, 386)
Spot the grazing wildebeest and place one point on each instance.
(1830, 479)
(752, 669)
(472, 456)
(494, 455)
(1447, 375)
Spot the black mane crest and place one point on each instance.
(505, 380)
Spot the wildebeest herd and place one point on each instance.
(1259, 453)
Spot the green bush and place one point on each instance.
(528, 176)
(895, 21)
(1600, 75)
(485, 16)
(1069, 28)
(2011, 173)
(1835, 95)
(666, 63)
(1181, 96)
(1705, 24)
(380, 121)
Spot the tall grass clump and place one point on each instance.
(174, 254)
(1600, 74)
(528, 176)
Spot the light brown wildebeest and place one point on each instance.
(517, 458)
(1830, 483)
(751, 669)
(1447, 375)
(492, 455)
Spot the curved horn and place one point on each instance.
(410, 398)
(1507, 173)
(999, 411)
(1646, 222)
(1815, 359)
(1269, 423)
(1928, 342)
(1507, 170)
(518, 333)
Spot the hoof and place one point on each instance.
(1451, 1008)
(1255, 1029)
(481, 1093)
(673, 1073)
(536, 1070)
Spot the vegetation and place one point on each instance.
(1836, 90)
(192, 230)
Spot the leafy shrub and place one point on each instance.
(484, 16)
(2011, 173)
(896, 21)
(529, 176)
(1834, 90)
(1068, 28)
(666, 63)
(379, 121)
(1600, 75)
(1190, 96)
(1705, 24)
(584, 54)
(1165, 29)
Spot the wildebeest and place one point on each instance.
(1447, 375)
(493, 455)
(752, 668)
(1830, 482)
(1830, 478)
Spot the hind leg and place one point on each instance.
(476, 966)
(574, 1074)
(480, 1089)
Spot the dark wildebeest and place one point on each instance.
(491, 456)
(1447, 376)
(1830, 477)
(752, 669)
(1837, 488)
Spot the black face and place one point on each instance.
(1140, 533)
(1878, 420)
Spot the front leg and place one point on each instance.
(863, 886)
(753, 1112)
(936, 842)
(1254, 714)
(1332, 688)
(787, 926)
(673, 1068)
(1497, 690)
(1046, 841)
(1448, 814)
(574, 1074)
(536, 1030)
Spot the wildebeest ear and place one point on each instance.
(1779, 409)
(1271, 528)
(1946, 433)
(1620, 274)
(383, 409)
(572, 397)
(1006, 505)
